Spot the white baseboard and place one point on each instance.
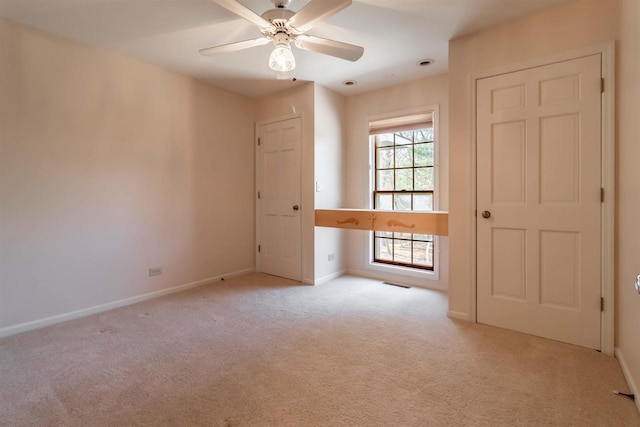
(48, 321)
(458, 315)
(627, 376)
(329, 277)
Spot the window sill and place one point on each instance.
(405, 271)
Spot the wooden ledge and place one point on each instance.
(436, 223)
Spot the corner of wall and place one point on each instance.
(628, 376)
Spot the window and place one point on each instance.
(404, 179)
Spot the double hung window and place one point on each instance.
(404, 180)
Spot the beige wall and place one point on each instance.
(322, 113)
(109, 167)
(330, 129)
(360, 110)
(571, 26)
(298, 100)
(628, 194)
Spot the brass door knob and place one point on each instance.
(486, 214)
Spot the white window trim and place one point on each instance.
(398, 269)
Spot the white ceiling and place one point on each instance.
(395, 34)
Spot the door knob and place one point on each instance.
(296, 207)
(486, 214)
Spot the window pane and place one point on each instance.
(424, 178)
(384, 234)
(385, 180)
(423, 237)
(385, 158)
(384, 249)
(404, 173)
(423, 202)
(424, 135)
(404, 157)
(402, 202)
(406, 236)
(403, 138)
(384, 140)
(402, 251)
(423, 154)
(404, 179)
(422, 253)
(384, 201)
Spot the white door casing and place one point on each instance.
(278, 182)
(539, 175)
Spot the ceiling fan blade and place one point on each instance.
(232, 47)
(244, 12)
(342, 50)
(315, 11)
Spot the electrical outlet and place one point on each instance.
(331, 257)
(637, 284)
(156, 271)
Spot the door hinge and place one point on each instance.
(258, 248)
(601, 195)
(258, 141)
(258, 195)
(601, 304)
(602, 85)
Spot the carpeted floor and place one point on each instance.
(262, 351)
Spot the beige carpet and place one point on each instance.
(259, 351)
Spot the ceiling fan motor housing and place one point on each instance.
(281, 38)
(281, 32)
(281, 4)
(278, 17)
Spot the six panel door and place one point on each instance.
(538, 201)
(279, 209)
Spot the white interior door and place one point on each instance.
(539, 179)
(278, 208)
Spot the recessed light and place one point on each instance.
(349, 82)
(425, 62)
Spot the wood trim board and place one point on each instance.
(436, 223)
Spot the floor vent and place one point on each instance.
(396, 284)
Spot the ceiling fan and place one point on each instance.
(283, 26)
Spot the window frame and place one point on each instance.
(395, 238)
(397, 268)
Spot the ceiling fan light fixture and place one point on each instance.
(282, 59)
(285, 75)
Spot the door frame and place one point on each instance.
(607, 228)
(257, 126)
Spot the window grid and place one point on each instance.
(400, 248)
